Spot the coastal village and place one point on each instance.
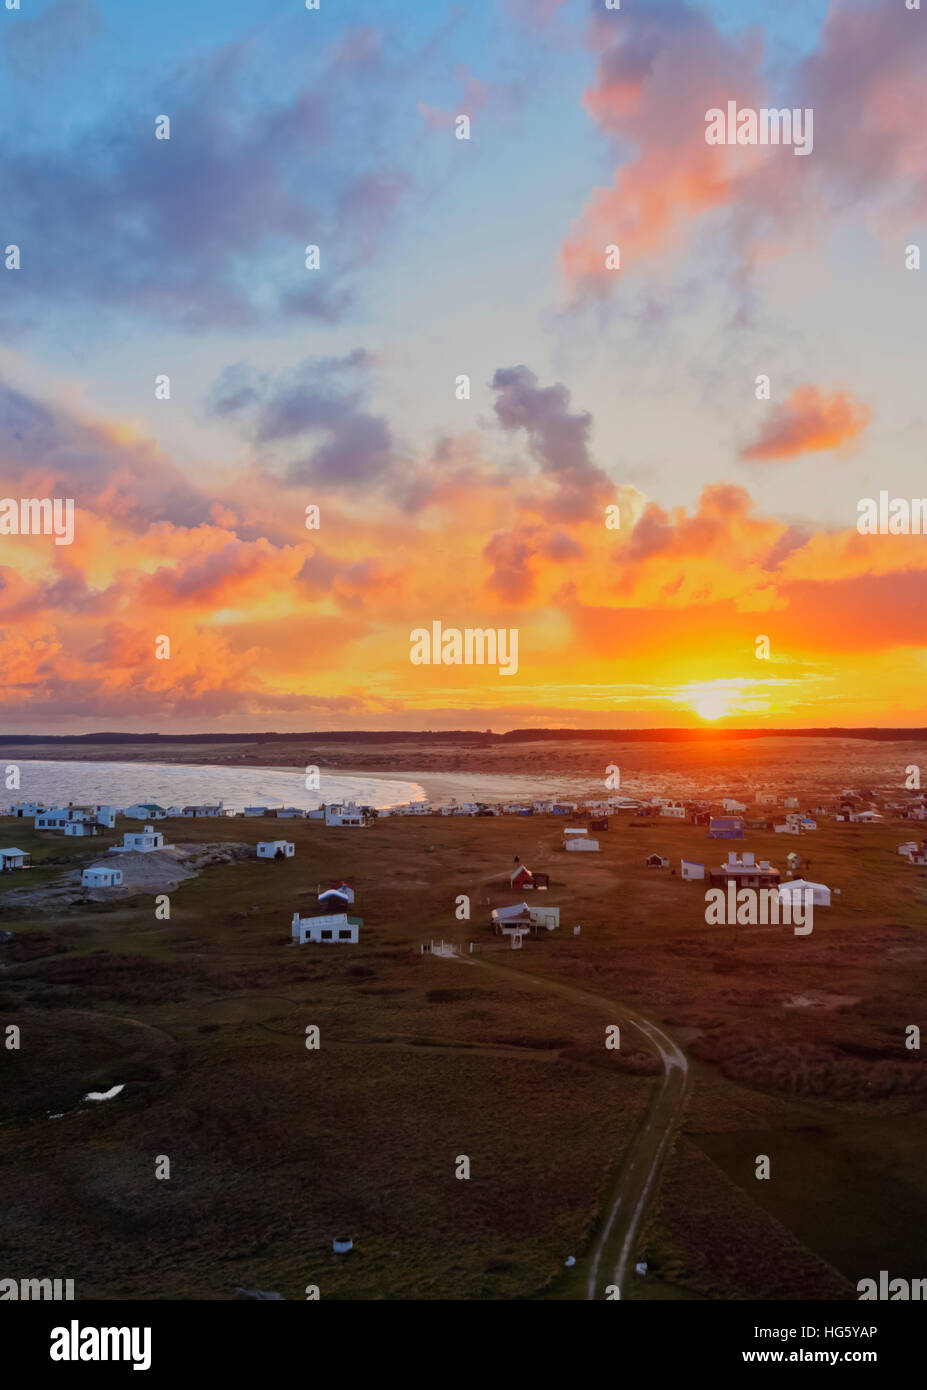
(144, 860)
(489, 947)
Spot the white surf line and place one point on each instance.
(672, 1057)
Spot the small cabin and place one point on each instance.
(275, 849)
(101, 876)
(656, 861)
(14, 859)
(336, 896)
(521, 877)
(141, 841)
(689, 869)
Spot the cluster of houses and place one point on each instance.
(745, 872)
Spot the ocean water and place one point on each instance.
(121, 784)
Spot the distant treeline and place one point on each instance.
(470, 736)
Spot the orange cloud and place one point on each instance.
(809, 422)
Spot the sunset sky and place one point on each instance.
(441, 257)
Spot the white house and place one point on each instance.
(275, 849)
(14, 859)
(27, 808)
(344, 815)
(579, 842)
(791, 803)
(690, 870)
(58, 818)
(101, 876)
(141, 841)
(735, 807)
(78, 827)
(788, 828)
(820, 893)
(256, 810)
(765, 798)
(548, 917)
(105, 816)
(574, 830)
(333, 927)
(144, 810)
(202, 812)
(673, 810)
(865, 817)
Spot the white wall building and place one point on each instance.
(331, 928)
(690, 870)
(14, 859)
(268, 849)
(141, 841)
(58, 818)
(580, 842)
(734, 807)
(673, 811)
(344, 815)
(101, 876)
(144, 810)
(820, 893)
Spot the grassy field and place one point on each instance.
(275, 1149)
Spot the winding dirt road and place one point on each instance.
(636, 1182)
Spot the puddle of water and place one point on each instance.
(105, 1095)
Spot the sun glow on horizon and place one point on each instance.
(718, 699)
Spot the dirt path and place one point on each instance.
(636, 1182)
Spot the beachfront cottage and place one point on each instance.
(577, 842)
(275, 849)
(14, 859)
(656, 861)
(58, 818)
(202, 812)
(101, 876)
(141, 841)
(794, 891)
(84, 827)
(688, 869)
(332, 928)
(145, 810)
(344, 815)
(725, 828)
(745, 872)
